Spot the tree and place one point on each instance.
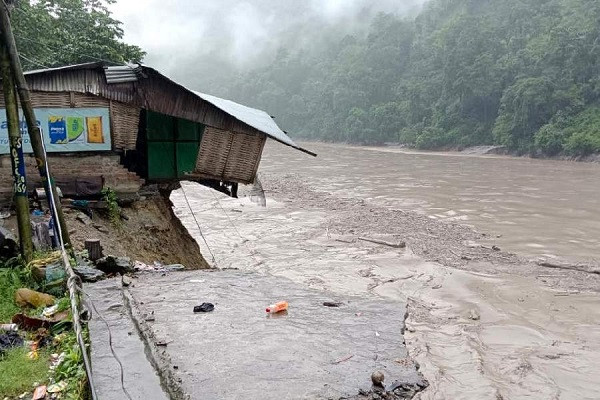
(61, 32)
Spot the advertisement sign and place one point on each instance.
(64, 130)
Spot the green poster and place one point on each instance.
(75, 127)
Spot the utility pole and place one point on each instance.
(16, 157)
(35, 135)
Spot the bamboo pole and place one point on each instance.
(35, 135)
(16, 157)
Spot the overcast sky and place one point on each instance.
(184, 36)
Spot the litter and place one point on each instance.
(277, 307)
(9, 327)
(10, 340)
(57, 387)
(332, 304)
(204, 308)
(39, 393)
(28, 297)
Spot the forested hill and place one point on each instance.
(520, 73)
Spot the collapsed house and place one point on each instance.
(124, 126)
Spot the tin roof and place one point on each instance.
(257, 119)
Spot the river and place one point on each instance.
(528, 206)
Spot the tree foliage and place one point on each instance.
(519, 73)
(61, 32)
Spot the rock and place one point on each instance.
(27, 297)
(89, 274)
(174, 267)
(377, 378)
(84, 219)
(113, 265)
(474, 315)
(101, 228)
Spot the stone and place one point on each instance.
(474, 315)
(89, 274)
(84, 219)
(113, 265)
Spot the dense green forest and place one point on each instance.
(519, 73)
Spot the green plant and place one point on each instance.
(114, 211)
(71, 369)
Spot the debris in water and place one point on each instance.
(377, 378)
(341, 360)
(204, 308)
(474, 315)
(277, 307)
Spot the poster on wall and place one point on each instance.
(64, 130)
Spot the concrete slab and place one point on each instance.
(140, 379)
(239, 352)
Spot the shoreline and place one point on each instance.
(472, 151)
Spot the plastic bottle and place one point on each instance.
(277, 307)
(9, 327)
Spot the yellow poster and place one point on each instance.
(94, 129)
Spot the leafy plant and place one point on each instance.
(114, 211)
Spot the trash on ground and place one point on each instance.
(175, 267)
(197, 281)
(474, 315)
(27, 297)
(204, 307)
(9, 327)
(57, 387)
(33, 324)
(9, 340)
(332, 304)
(39, 393)
(50, 311)
(277, 307)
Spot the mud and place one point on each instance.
(151, 233)
(491, 326)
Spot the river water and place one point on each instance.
(528, 206)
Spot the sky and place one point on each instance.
(190, 39)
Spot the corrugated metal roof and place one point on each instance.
(122, 73)
(257, 119)
(65, 68)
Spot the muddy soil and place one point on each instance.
(151, 233)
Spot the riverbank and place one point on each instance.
(473, 151)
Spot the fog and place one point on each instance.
(200, 43)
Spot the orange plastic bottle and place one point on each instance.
(277, 307)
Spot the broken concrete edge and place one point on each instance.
(160, 362)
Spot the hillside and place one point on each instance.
(519, 73)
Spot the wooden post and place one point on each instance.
(35, 135)
(94, 249)
(16, 157)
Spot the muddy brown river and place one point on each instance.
(539, 207)
(488, 330)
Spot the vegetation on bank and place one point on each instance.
(520, 73)
(48, 356)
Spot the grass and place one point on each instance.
(18, 373)
(10, 281)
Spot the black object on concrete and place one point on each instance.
(204, 307)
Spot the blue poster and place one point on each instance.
(64, 130)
